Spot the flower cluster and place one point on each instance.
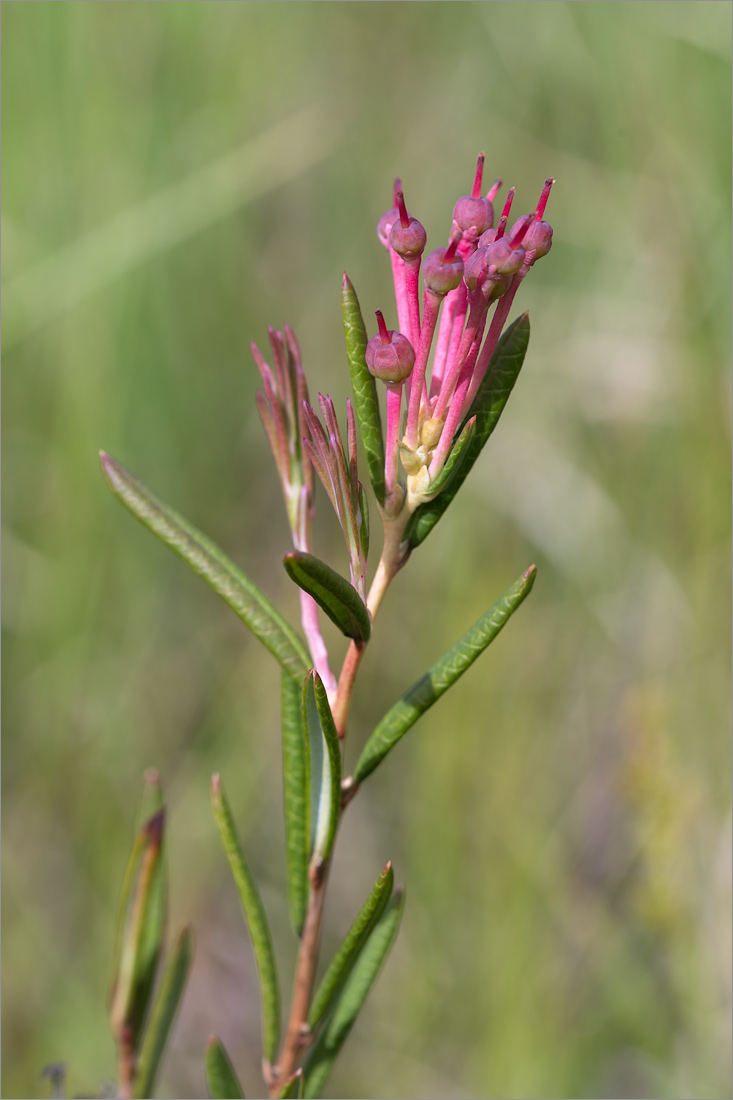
(482, 268)
(433, 366)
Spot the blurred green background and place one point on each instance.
(175, 178)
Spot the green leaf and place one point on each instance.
(332, 592)
(325, 767)
(140, 929)
(164, 1013)
(293, 1086)
(348, 952)
(328, 1043)
(206, 559)
(487, 407)
(254, 913)
(425, 691)
(366, 402)
(221, 1080)
(456, 457)
(296, 801)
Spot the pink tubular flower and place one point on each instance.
(480, 272)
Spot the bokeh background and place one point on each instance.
(175, 178)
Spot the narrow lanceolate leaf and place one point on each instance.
(296, 800)
(366, 402)
(254, 913)
(328, 1043)
(164, 1013)
(349, 951)
(206, 559)
(140, 931)
(293, 1086)
(325, 767)
(429, 688)
(332, 592)
(221, 1080)
(487, 407)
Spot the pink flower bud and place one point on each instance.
(504, 257)
(389, 217)
(407, 236)
(538, 237)
(475, 268)
(389, 355)
(471, 212)
(443, 269)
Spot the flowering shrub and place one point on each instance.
(448, 370)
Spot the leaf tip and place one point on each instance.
(215, 787)
(529, 576)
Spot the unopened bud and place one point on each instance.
(407, 236)
(504, 256)
(389, 355)
(538, 237)
(473, 214)
(475, 268)
(389, 217)
(443, 269)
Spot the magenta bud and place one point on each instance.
(384, 225)
(389, 355)
(473, 214)
(407, 236)
(389, 217)
(476, 267)
(488, 237)
(538, 239)
(443, 269)
(504, 257)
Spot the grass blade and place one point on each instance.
(425, 691)
(254, 914)
(221, 1080)
(366, 402)
(296, 801)
(327, 1046)
(487, 407)
(332, 592)
(325, 767)
(348, 953)
(164, 1013)
(140, 931)
(208, 561)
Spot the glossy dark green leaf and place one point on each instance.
(293, 1087)
(221, 1080)
(329, 1041)
(458, 454)
(332, 592)
(348, 953)
(254, 914)
(487, 407)
(296, 800)
(366, 402)
(164, 1013)
(425, 691)
(324, 767)
(140, 930)
(208, 561)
